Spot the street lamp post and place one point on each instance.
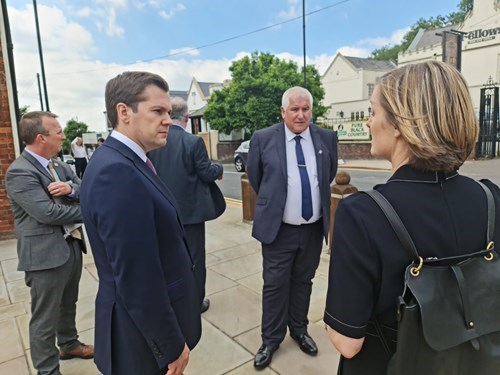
(304, 38)
(41, 57)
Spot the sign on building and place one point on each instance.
(352, 131)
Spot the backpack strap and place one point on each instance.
(490, 231)
(395, 221)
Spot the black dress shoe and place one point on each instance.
(264, 356)
(306, 343)
(205, 305)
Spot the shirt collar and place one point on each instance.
(306, 134)
(407, 174)
(129, 143)
(44, 162)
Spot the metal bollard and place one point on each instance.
(340, 190)
(249, 198)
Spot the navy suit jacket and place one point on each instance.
(267, 173)
(147, 305)
(184, 166)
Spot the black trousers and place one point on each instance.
(289, 265)
(195, 237)
(80, 165)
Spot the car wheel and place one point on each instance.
(238, 164)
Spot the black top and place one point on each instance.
(444, 213)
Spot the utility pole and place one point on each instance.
(304, 38)
(39, 90)
(47, 108)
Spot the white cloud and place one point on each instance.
(168, 15)
(112, 28)
(84, 12)
(291, 12)
(186, 51)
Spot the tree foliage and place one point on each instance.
(73, 129)
(23, 110)
(391, 53)
(252, 100)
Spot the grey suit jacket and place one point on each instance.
(37, 217)
(267, 173)
(183, 165)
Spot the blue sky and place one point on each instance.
(87, 42)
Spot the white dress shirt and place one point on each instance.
(293, 206)
(129, 143)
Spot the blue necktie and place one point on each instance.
(307, 210)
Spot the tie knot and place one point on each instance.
(297, 138)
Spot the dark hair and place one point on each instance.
(31, 125)
(128, 88)
(100, 139)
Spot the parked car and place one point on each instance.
(69, 159)
(240, 156)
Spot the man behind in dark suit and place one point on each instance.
(184, 166)
(44, 204)
(147, 307)
(292, 177)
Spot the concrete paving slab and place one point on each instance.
(16, 366)
(241, 267)
(8, 249)
(10, 341)
(12, 310)
(234, 310)
(217, 283)
(18, 291)
(216, 354)
(10, 272)
(4, 296)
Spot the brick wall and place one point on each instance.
(7, 155)
(354, 151)
(225, 150)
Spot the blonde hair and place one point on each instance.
(429, 103)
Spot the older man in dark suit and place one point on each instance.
(290, 166)
(43, 195)
(185, 168)
(147, 307)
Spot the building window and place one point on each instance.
(352, 116)
(362, 114)
(357, 116)
(371, 86)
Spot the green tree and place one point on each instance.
(23, 110)
(253, 98)
(391, 53)
(73, 129)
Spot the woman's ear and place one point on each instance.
(397, 133)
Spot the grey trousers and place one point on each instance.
(54, 293)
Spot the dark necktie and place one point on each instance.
(307, 210)
(150, 165)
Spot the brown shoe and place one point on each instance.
(81, 351)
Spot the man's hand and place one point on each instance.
(59, 189)
(177, 367)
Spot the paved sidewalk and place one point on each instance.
(231, 327)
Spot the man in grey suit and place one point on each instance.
(44, 197)
(183, 165)
(290, 166)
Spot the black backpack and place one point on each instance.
(449, 313)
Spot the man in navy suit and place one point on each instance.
(290, 166)
(183, 165)
(147, 307)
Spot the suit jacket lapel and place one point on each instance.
(37, 165)
(281, 148)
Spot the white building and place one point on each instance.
(348, 83)
(480, 46)
(197, 99)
